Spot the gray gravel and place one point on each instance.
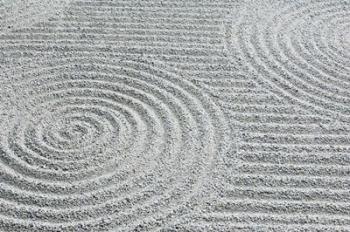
(174, 115)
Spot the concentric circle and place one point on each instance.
(298, 49)
(99, 145)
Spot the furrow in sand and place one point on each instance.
(110, 19)
(297, 182)
(266, 109)
(322, 158)
(266, 193)
(281, 206)
(118, 50)
(313, 130)
(171, 10)
(246, 227)
(293, 169)
(186, 17)
(272, 118)
(294, 148)
(72, 24)
(227, 186)
(146, 4)
(109, 37)
(307, 140)
(263, 219)
(223, 226)
(146, 9)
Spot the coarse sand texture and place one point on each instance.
(174, 115)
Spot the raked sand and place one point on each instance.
(153, 115)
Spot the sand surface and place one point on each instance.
(174, 115)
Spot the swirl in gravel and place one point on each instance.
(299, 50)
(100, 144)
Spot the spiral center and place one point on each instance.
(73, 132)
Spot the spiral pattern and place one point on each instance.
(298, 49)
(98, 144)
